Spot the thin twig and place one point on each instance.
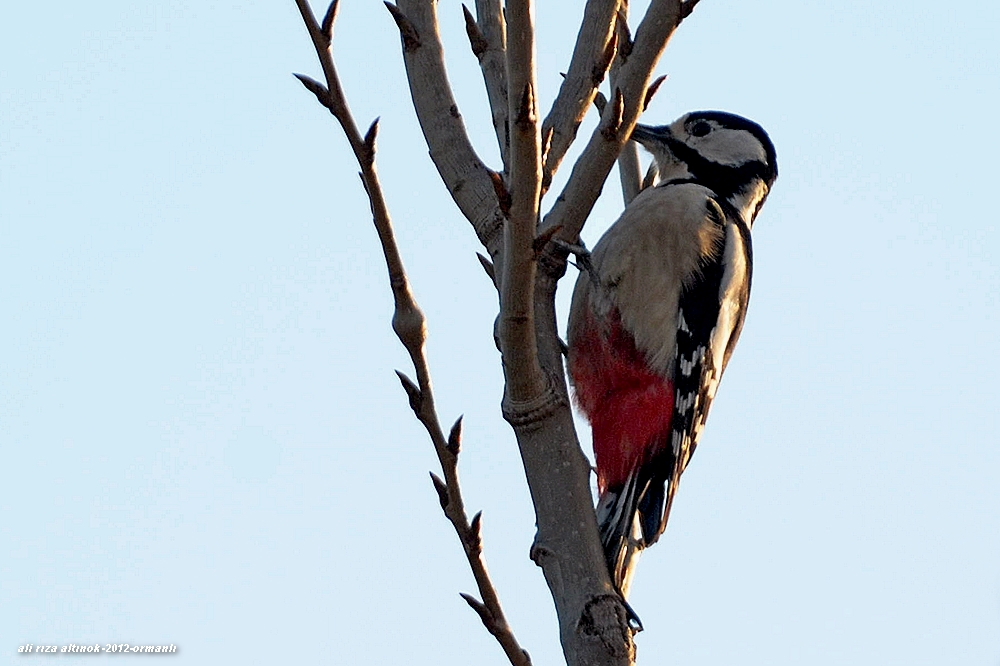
(460, 167)
(410, 326)
(629, 170)
(488, 37)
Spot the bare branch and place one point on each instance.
(593, 625)
(488, 38)
(629, 171)
(517, 324)
(463, 172)
(591, 170)
(536, 402)
(409, 324)
(629, 168)
(332, 96)
(490, 622)
(593, 620)
(577, 89)
(624, 34)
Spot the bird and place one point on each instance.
(656, 312)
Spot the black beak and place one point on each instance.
(647, 134)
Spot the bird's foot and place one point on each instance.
(583, 260)
(634, 623)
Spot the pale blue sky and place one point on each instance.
(204, 443)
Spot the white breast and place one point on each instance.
(643, 261)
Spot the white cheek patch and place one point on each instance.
(730, 147)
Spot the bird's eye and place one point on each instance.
(700, 128)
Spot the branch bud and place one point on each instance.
(412, 392)
(547, 142)
(484, 613)
(503, 195)
(369, 141)
(488, 267)
(614, 123)
(442, 490)
(316, 88)
(651, 90)
(328, 19)
(526, 109)
(476, 535)
(455, 438)
(411, 39)
(600, 101)
(476, 39)
(686, 9)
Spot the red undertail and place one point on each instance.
(628, 405)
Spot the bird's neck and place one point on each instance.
(672, 170)
(742, 190)
(748, 200)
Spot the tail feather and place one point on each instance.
(620, 520)
(621, 538)
(630, 520)
(652, 517)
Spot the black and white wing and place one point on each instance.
(711, 312)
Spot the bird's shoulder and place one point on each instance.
(673, 204)
(676, 223)
(658, 246)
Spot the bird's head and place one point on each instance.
(727, 153)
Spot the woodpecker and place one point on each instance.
(656, 314)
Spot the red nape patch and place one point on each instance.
(628, 405)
